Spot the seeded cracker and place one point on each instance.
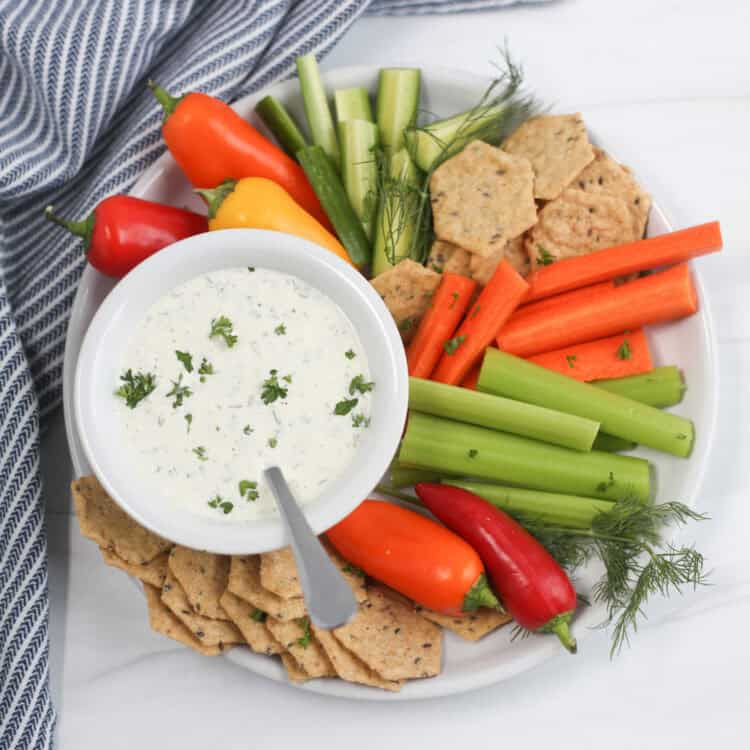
(210, 632)
(244, 581)
(392, 639)
(294, 672)
(558, 148)
(153, 572)
(604, 175)
(578, 223)
(349, 667)
(481, 269)
(298, 640)
(407, 289)
(105, 523)
(203, 576)
(482, 197)
(472, 626)
(253, 630)
(446, 257)
(163, 621)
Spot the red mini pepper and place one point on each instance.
(212, 143)
(122, 231)
(531, 584)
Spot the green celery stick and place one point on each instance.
(404, 476)
(612, 444)
(512, 377)
(661, 387)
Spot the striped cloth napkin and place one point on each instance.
(77, 124)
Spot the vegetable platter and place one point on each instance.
(687, 343)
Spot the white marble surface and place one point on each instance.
(667, 84)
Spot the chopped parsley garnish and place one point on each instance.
(287, 378)
(455, 296)
(280, 330)
(544, 257)
(222, 327)
(258, 614)
(473, 453)
(135, 387)
(345, 406)
(350, 354)
(189, 420)
(272, 442)
(475, 312)
(248, 489)
(360, 385)
(186, 359)
(452, 345)
(306, 637)
(272, 389)
(349, 568)
(206, 368)
(571, 359)
(623, 352)
(604, 486)
(406, 324)
(179, 391)
(360, 420)
(200, 451)
(247, 429)
(219, 502)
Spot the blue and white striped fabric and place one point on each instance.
(76, 125)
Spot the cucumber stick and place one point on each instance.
(359, 172)
(317, 110)
(396, 105)
(395, 226)
(433, 143)
(352, 104)
(330, 191)
(278, 120)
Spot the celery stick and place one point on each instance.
(329, 189)
(467, 450)
(281, 124)
(433, 143)
(512, 377)
(612, 444)
(499, 413)
(571, 511)
(404, 476)
(395, 223)
(661, 387)
(316, 107)
(396, 105)
(358, 169)
(352, 104)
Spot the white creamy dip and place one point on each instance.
(197, 448)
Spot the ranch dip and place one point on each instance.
(234, 371)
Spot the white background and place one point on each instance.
(666, 84)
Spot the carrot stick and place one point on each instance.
(613, 357)
(470, 381)
(449, 304)
(562, 300)
(652, 299)
(487, 316)
(643, 255)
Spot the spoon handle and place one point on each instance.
(329, 599)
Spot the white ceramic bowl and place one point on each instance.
(99, 368)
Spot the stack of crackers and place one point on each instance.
(215, 602)
(547, 193)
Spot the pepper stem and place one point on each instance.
(560, 627)
(214, 197)
(481, 595)
(164, 98)
(83, 228)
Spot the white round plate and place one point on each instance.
(688, 343)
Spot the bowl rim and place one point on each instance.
(196, 255)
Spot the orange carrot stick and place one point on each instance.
(448, 306)
(613, 357)
(550, 303)
(487, 316)
(471, 380)
(643, 255)
(652, 299)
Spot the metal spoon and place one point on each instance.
(329, 599)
